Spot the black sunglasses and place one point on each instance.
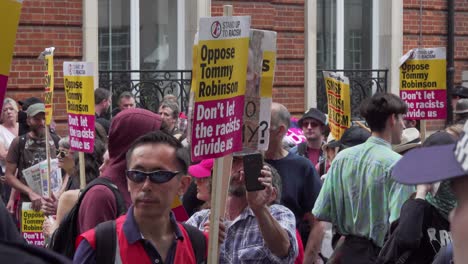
(62, 153)
(159, 176)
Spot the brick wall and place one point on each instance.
(434, 34)
(286, 17)
(44, 24)
(59, 23)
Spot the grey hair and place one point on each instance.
(280, 116)
(8, 100)
(64, 142)
(275, 182)
(173, 105)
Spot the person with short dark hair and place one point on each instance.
(157, 167)
(102, 102)
(359, 197)
(99, 203)
(126, 101)
(423, 227)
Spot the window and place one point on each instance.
(344, 34)
(114, 35)
(145, 34)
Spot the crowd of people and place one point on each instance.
(378, 194)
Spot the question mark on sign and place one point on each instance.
(263, 127)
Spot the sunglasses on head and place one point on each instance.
(62, 153)
(159, 176)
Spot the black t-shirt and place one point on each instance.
(300, 181)
(423, 230)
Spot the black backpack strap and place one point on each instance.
(302, 149)
(121, 206)
(106, 241)
(198, 241)
(21, 146)
(322, 167)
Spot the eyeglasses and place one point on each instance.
(310, 123)
(62, 153)
(159, 176)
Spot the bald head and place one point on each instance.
(280, 116)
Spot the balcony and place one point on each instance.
(149, 87)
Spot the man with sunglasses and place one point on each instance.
(157, 172)
(313, 125)
(99, 203)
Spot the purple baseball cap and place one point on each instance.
(434, 163)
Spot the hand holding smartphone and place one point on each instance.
(253, 164)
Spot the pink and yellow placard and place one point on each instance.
(10, 13)
(79, 91)
(220, 69)
(423, 84)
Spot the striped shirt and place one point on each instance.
(359, 197)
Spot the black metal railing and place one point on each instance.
(362, 84)
(149, 87)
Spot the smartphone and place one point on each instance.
(253, 164)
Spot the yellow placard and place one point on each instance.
(49, 87)
(222, 68)
(79, 93)
(339, 103)
(268, 73)
(31, 221)
(423, 75)
(194, 70)
(9, 12)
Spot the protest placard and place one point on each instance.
(423, 83)
(31, 225)
(259, 87)
(79, 92)
(10, 13)
(221, 67)
(48, 56)
(36, 177)
(339, 103)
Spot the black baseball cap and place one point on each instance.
(351, 137)
(460, 91)
(29, 101)
(315, 114)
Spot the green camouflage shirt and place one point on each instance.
(359, 197)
